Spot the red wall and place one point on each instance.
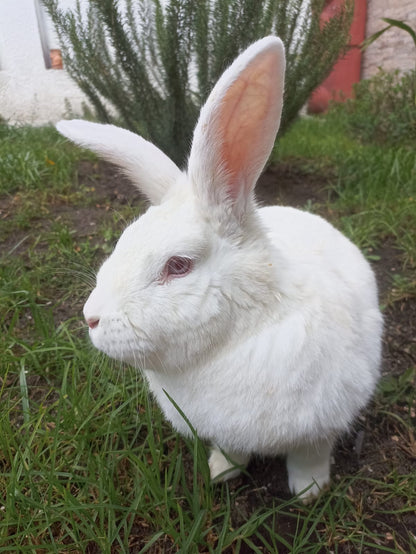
(347, 71)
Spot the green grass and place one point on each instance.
(87, 462)
(373, 186)
(36, 159)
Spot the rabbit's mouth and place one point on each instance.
(116, 337)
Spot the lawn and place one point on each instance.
(87, 462)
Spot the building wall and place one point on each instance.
(29, 92)
(394, 49)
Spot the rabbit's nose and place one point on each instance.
(93, 310)
(93, 322)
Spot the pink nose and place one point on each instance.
(93, 322)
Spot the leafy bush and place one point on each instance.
(383, 109)
(149, 67)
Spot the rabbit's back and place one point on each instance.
(319, 255)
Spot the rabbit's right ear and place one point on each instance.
(147, 166)
(237, 127)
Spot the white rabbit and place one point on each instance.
(261, 324)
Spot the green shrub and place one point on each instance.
(383, 109)
(149, 67)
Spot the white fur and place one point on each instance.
(271, 344)
(226, 467)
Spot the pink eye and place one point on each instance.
(177, 266)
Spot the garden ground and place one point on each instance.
(371, 507)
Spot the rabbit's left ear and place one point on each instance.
(237, 126)
(147, 166)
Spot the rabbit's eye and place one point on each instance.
(177, 266)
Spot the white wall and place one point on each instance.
(29, 92)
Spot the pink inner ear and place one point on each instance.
(248, 121)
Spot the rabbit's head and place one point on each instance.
(193, 271)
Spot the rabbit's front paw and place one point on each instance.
(308, 470)
(308, 489)
(223, 467)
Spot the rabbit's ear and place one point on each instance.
(237, 126)
(147, 166)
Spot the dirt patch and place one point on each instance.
(108, 183)
(288, 185)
